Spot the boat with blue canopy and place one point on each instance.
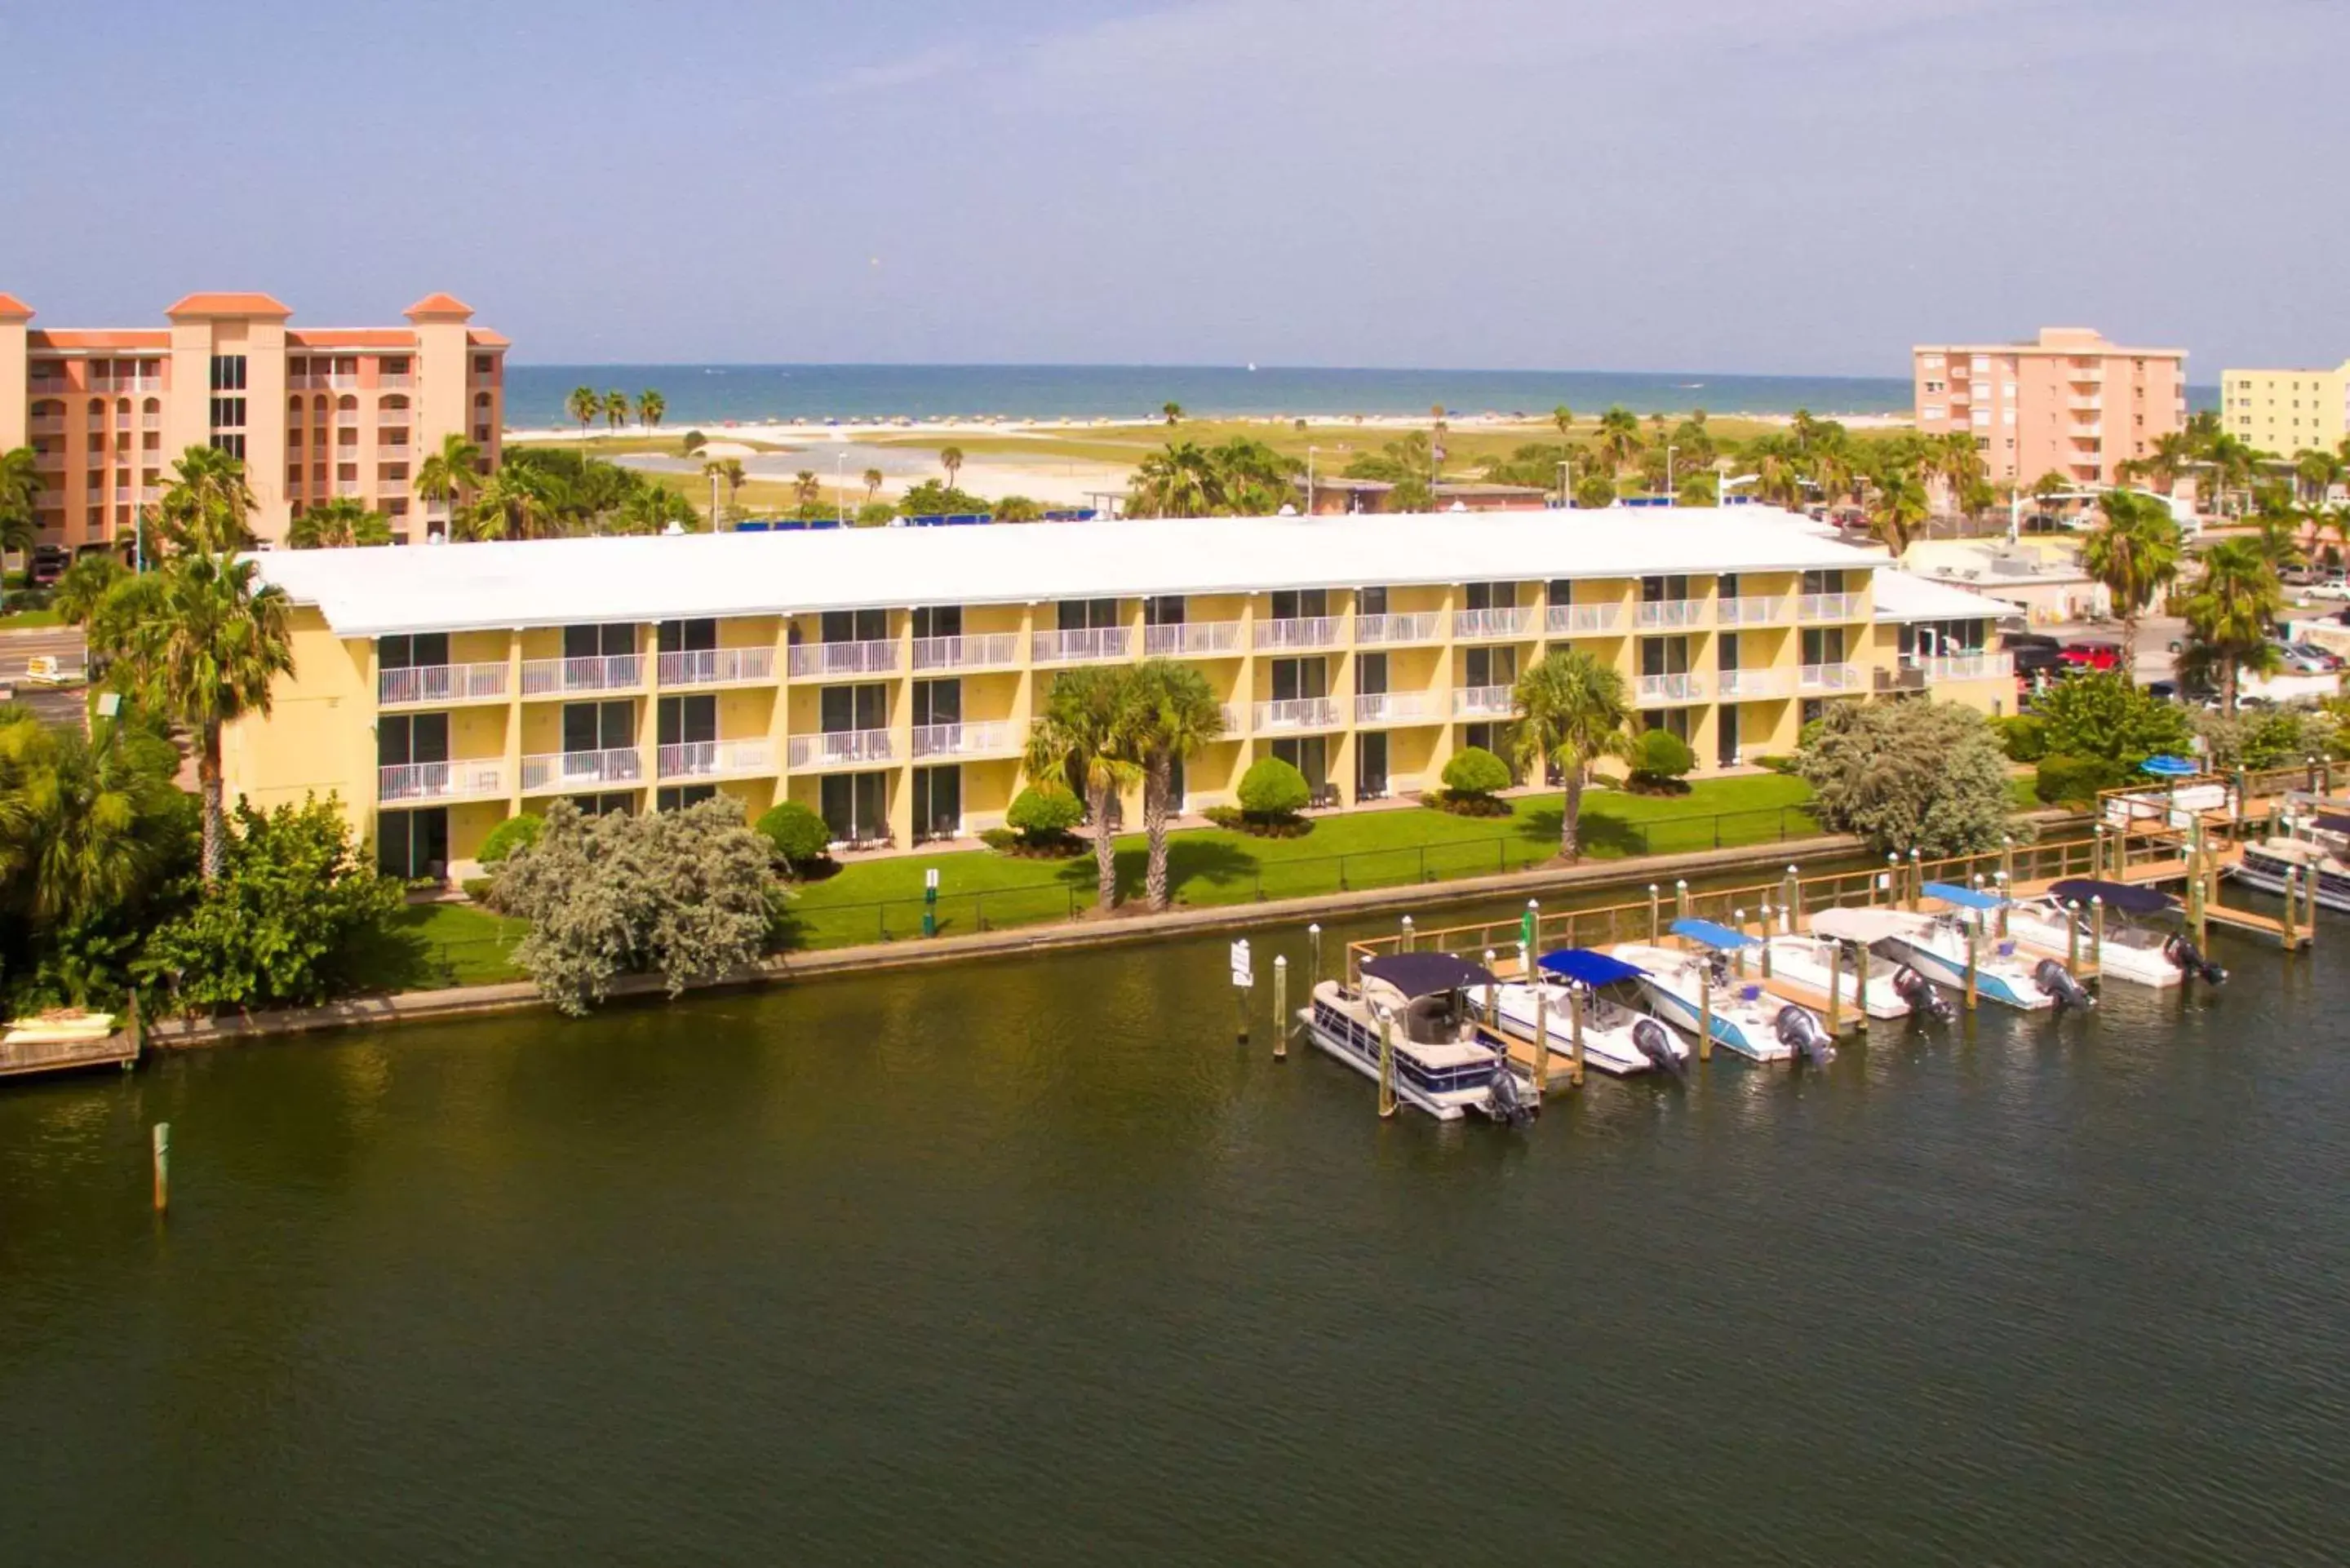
(1618, 1037)
(1685, 986)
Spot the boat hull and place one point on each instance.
(2267, 874)
(1993, 981)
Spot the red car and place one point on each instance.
(2091, 655)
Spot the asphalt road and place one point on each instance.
(19, 648)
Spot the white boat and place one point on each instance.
(1889, 990)
(1442, 1063)
(2133, 949)
(1616, 1038)
(1745, 1018)
(1936, 947)
(2320, 844)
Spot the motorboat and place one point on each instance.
(1442, 1061)
(1617, 1037)
(2317, 844)
(1889, 990)
(1935, 945)
(1744, 1016)
(2134, 949)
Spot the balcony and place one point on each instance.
(1572, 621)
(1655, 690)
(1093, 645)
(2092, 372)
(605, 672)
(393, 419)
(1815, 677)
(391, 484)
(2094, 429)
(149, 495)
(47, 424)
(1395, 708)
(1752, 609)
(440, 683)
(1387, 630)
(988, 650)
(992, 738)
(1827, 607)
(1652, 615)
(1194, 639)
(716, 667)
(48, 461)
(1484, 624)
(714, 759)
(2086, 405)
(1297, 713)
(150, 420)
(346, 487)
(395, 383)
(1746, 685)
(1483, 703)
(1235, 721)
(560, 771)
(825, 659)
(1303, 631)
(840, 749)
(440, 781)
(1963, 666)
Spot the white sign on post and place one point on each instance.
(1241, 976)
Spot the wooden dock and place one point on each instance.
(27, 1051)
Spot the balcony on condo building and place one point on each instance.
(442, 684)
(1572, 620)
(1087, 645)
(835, 749)
(1390, 630)
(1302, 631)
(1827, 607)
(986, 650)
(1377, 708)
(1483, 703)
(1297, 713)
(1653, 614)
(556, 771)
(1749, 610)
(984, 738)
(1486, 625)
(405, 783)
(1746, 685)
(875, 657)
(1657, 690)
(1820, 678)
(716, 667)
(598, 672)
(753, 757)
(1970, 666)
(1194, 639)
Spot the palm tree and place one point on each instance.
(1564, 417)
(446, 477)
(1778, 469)
(1897, 511)
(585, 406)
(84, 587)
(872, 485)
(514, 503)
(1180, 482)
(2229, 614)
(806, 488)
(1168, 713)
(198, 642)
(650, 406)
(1959, 463)
(615, 411)
(207, 503)
(1173, 410)
(1076, 737)
(83, 824)
(731, 471)
(2135, 554)
(338, 523)
(950, 459)
(20, 498)
(2319, 471)
(1572, 710)
(1619, 437)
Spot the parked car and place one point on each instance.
(2331, 587)
(2036, 659)
(2099, 656)
(2014, 641)
(49, 564)
(2308, 659)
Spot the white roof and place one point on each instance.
(1904, 595)
(555, 582)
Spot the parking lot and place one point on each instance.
(64, 643)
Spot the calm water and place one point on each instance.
(1032, 1264)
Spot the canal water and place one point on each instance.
(1032, 1263)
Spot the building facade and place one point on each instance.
(886, 678)
(314, 413)
(2067, 403)
(2287, 412)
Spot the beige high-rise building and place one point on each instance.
(2286, 411)
(2067, 403)
(314, 413)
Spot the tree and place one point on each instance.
(1474, 776)
(950, 459)
(616, 410)
(1928, 777)
(517, 831)
(1564, 417)
(1272, 791)
(2228, 616)
(449, 475)
(2318, 472)
(1167, 715)
(682, 893)
(872, 485)
(1897, 512)
(1411, 494)
(198, 643)
(342, 522)
(690, 442)
(1173, 410)
(1042, 814)
(514, 503)
(84, 587)
(1701, 490)
(584, 405)
(1078, 738)
(1572, 711)
(20, 497)
(650, 406)
(1619, 438)
(206, 507)
(1018, 509)
(2048, 486)
(931, 499)
(1659, 760)
(2106, 715)
(805, 489)
(797, 836)
(2135, 554)
(1594, 491)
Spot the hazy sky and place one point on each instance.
(1763, 185)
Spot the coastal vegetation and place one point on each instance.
(2095, 728)
(2230, 613)
(1572, 711)
(2135, 554)
(1924, 776)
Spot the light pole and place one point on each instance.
(1565, 482)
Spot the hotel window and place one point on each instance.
(228, 373)
(229, 441)
(599, 641)
(685, 720)
(1663, 590)
(1294, 679)
(1493, 595)
(938, 702)
(1489, 666)
(842, 708)
(228, 413)
(1664, 656)
(1161, 609)
(599, 726)
(677, 798)
(686, 636)
(855, 806)
(481, 364)
(1082, 615)
(1371, 601)
(853, 625)
(938, 621)
(1302, 603)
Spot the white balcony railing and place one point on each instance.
(2089, 372)
(989, 738)
(1091, 645)
(1302, 631)
(1827, 607)
(49, 461)
(1963, 666)
(1751, 609)
(1298, 713)
(715, 667)
(346, 487)
(1669, 689)
(1744, 685)
(714, 759)
(1568, 620)
(1482, 701)
(149, 495)
(2086, 405)
(391, 484)
(878, 656)
(1393, 708)
(1832, 678)
(840, 749)
(1652, 613)
(987, 650)
(397, 383)
(601, 673)
(576, 770)
(440, 781)
(1385, 630)
(1194, 639)
(1476, 624)
(440, 683)
(1235, 720)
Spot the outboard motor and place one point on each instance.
(1506, 1103)
(2050, 977)
(1797, 1029)
(1925, 1000)
(2189, 960)
(1657, 1045)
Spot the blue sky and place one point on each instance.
(1796, 185)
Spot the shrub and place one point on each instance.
(876, 515)
(514, 833)
(478, 888)
(999, 838)
(1229, 817)
(1928, 776)
(1272, 791)
(2105, 714)
(1017, 509)
(2024, 737)
(2075, 781)
(691, 441)
(797, 835)
(1776, 763)
(1042, 814)
(1476, 772)
(1661, 760)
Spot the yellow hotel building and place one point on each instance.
(886, 677)
(2287, 412)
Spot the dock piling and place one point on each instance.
(1704, 1012)
(2291, 872)
(1682, 899)
(1836, 983)
(1766, 942)
(2006, 859)
(1405, 940)
(2098, 935)
(1790, 898)
(1280, 1008)
(1542, 1040)
(1313, 957)
(2072, 940)
(1656, 923)
(1974, 957)
(1916, 880)
(1493, 1000)
(2195, 923)
(163, 1144)
(1738, 955)
(1574, 1034)
(1387, 1067)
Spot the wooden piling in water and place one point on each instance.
(1974, 957)
(1836, 983)
(1542, 1040)
(1574, 1034)
(1387, 1067)
(1280, 1008)
(162, 1162)
(1704, 1012)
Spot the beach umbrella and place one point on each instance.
(2169, 767)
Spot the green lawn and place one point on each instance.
(435, 945)
(26, 621)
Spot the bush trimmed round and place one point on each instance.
(1044, 814)
(1272, 788)
(797, 835)
(1474, 771)
(514, 833)
(1660, 759)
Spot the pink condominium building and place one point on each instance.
(314, 413)
(2068, 403)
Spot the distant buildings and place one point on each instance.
(2068, 403)
(314, 413)
(2286, 411)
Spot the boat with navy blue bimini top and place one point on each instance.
(1440, 1061)
(2135, 948)
(1617, 1037)
(1744, 1016)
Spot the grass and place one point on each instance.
(27, 620)
(432, 946)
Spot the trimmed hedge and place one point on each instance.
(1474, 771)
(1273, 791)
(2075, 781)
